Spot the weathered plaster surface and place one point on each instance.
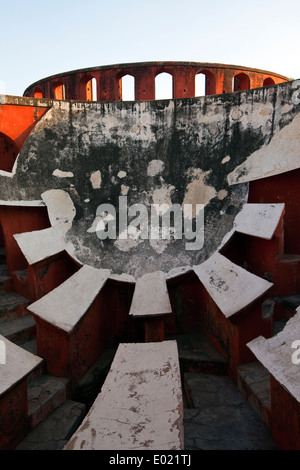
(64, 306)
(259, 220)
(41, 244)
(231, 287)
(276, 355)
(280, 155)
(195, 151)
(140, 404)
(19, 363)
(151, 296)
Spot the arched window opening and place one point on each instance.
(205, 83)
(127, 88)
(268, 81)
(94, 89)
(241, 81)
(91, 90)
(200, 84)
(163, 86)
(59, 92)
(8, 153)
(38, 93)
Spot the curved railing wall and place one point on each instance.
(105, 83)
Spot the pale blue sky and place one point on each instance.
(38, 39)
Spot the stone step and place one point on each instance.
(221, 418)
(6, 283)
(287, 280)
(285, 306)
(19, 330)
(20, 281)
(56, 430)
(12, 306)
(253, 380)
(90, 384)
(197, 354)
(5, 279)
(30, 346)
(45, 394)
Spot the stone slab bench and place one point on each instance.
(70, 323)
(16, 364)
(280, 355)
(49, 262)
(231, 287)
(41, 244)
(231, 300)
(140, 404)
(276, 355)
(257, 220)
(152, 303)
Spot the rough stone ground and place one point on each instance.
(55, 432)
(221, 418)
(216, 414)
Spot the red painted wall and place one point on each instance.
(219, 79)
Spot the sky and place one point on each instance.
(39, 39)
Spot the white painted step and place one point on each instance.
(64, 306)
(151, 296)
(41, 244)
(18, 364)
(140, 404)
(276, 355)
(231, 287)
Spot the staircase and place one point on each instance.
(217, 415)
(49, 402)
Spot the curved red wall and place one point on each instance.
(76, 85)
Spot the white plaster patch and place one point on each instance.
(162, 197)
(121, 174)
(124, 189)
(60, 207)
(197, 191)
(222, 194)
(286, 108)
(236, 114)
(155, 167)
(96, 179)
(63, 174)
(225, 159)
